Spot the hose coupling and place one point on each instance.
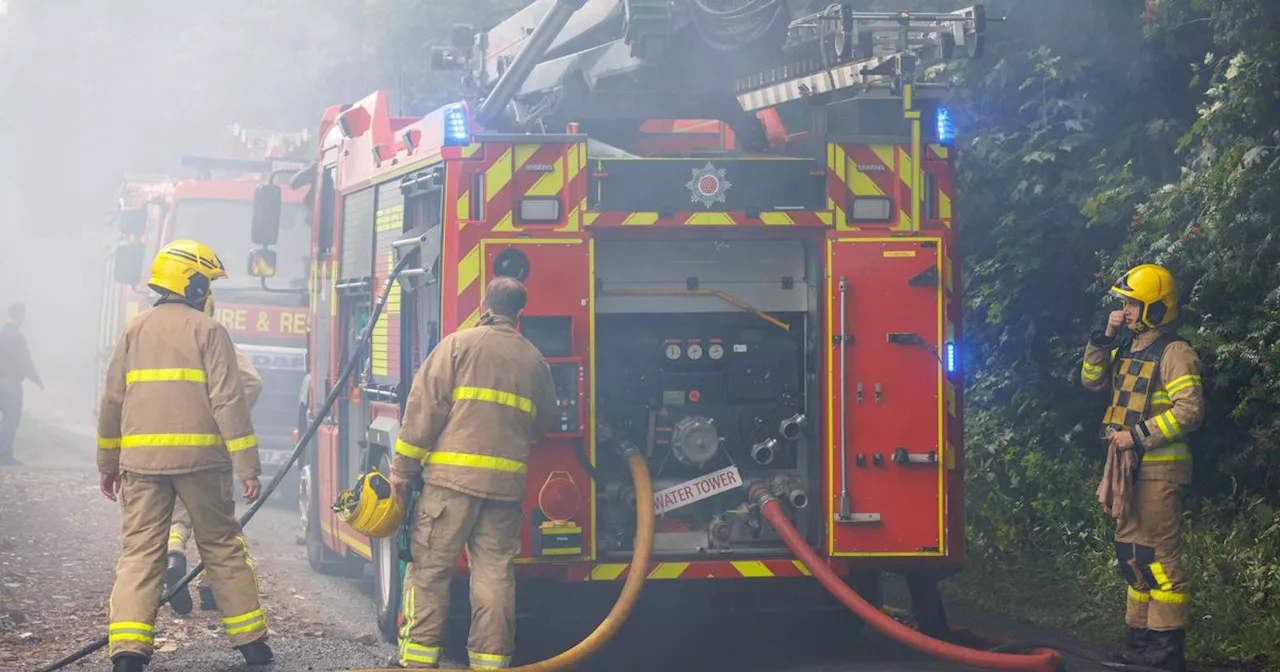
(626, 449)
(789, 489)
(790, 428)
(759, 494)
(764, 452)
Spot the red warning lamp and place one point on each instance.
(559, 498)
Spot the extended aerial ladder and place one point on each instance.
(611, 64)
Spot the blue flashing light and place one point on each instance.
(946, 132)
(457, 128)
(951, 357)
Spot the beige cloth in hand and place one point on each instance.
(1115, 491)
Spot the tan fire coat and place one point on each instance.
(481, 397)
(173, 402)
(1173, 409)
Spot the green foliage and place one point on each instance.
(1150, 134)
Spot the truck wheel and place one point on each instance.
(389, 575)
(319, 556)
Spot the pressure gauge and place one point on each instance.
(673, 351)
(715, 351)
(694, 351)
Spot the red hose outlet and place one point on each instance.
(1039, 660)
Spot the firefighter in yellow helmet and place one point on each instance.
(172, 423)
(480, 398)
(180, 529)
(1156, 401)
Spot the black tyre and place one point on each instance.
(868, 587)
(388, 575)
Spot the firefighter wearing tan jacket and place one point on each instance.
(1156, 401)
(480, 399)
(172, 424)
(180, 530)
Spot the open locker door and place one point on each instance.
(885, 376)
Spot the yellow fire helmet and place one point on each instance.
(1153, 286)
(371, 507)
(185, 268)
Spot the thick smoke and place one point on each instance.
(90, 91)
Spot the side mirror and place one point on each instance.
(463, 37)
(133, 221)
(266, 214)
(262, 263)
(128, 263)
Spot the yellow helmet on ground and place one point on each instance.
(371, 507)
(185, 268)
(1153, 286)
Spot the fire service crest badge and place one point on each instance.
(708, 185)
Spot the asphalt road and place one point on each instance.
(59, 541)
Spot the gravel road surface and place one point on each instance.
(59, 539)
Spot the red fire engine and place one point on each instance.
(268, 321)
(742, 304)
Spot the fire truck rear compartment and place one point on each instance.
(701, 364)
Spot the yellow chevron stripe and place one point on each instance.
(463, 207)
(752, 568)
(641, 219)
(550, 184)
(904, 167)
(709, 219)
(471, 320)
(776, 219)
(836, 160)
(607, 572)
(469, 269)
(668, 570)
(885, 154)
(523, 152)
(859, 183)
(497, 176)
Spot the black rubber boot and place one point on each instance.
(128, 662)
(181, 602)
(256, 653)
(207, 602)
(1135, 652)
(1165, 651)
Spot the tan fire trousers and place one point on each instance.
(1149, 549)
(147, 502)
(180, 532)
(444, 521)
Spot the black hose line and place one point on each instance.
(347, 370)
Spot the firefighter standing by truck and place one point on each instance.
(180, 529)
(477, 403)
(15, 367)
(1157, 400)
(173, 423)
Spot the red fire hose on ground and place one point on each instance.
(1038, 660)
